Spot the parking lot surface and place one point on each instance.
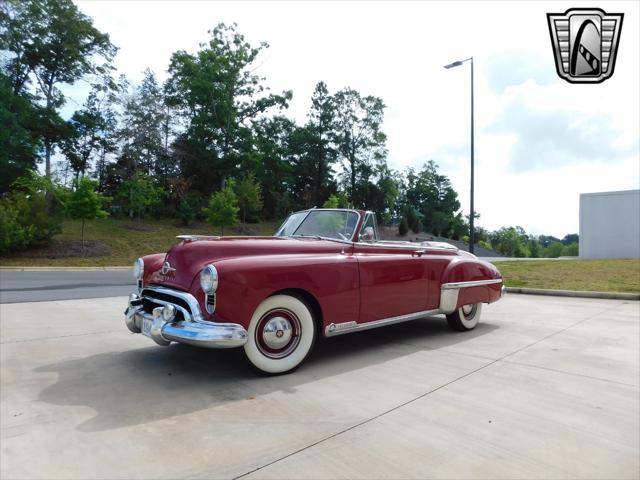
(544, 387)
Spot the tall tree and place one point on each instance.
(381, 192)
(53, 43)
(18, 21)
(143, 123)
(433, 197)
(18, 142)
(360, 140)
(92, 133)
(304, 159)
(218, 97)
(273, 167)
(320, 132)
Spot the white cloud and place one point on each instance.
(396, 50)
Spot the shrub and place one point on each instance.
(31, 213)
(140, 193)
(413, 220)
(13, 235)
(84, 203)
(337, 200)
(223, 208)
(249, 195)
(485, 244)
(571, 250)
(186, 212)
(332, 202)
(403, 228)
(553, 251)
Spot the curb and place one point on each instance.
(63, 269)
(575, 293)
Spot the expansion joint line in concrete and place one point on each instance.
(423, 395)
(27, 340)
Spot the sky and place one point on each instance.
(540, 141)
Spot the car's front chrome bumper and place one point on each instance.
(189, 329)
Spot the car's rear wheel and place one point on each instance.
(465, 318)
(281, 334)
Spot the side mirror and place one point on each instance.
(368, 235)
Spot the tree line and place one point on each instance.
(210, 142)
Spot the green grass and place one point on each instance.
(126, 239)
(588, 275)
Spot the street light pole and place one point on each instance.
(472, 231)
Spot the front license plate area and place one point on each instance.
(146, 326)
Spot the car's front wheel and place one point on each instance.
(281, 334)
(465, 318)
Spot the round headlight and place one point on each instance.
(209, 279)
(138, 269)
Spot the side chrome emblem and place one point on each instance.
(166, 268)
(585, 43)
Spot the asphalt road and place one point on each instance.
(544, 387)
(38, 286)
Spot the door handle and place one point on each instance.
(418, 253)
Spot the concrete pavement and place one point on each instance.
(544, 387)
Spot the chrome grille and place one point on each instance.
(156, 295)
(152, 299)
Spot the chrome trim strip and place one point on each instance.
(335, 329)
(190, 238)
(319, 237)
(476, 283)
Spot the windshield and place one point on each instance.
(333, 224)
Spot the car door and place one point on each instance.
(394, 278)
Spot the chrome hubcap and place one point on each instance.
(277, 332)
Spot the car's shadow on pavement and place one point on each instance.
(154, 383)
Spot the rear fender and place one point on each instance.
(466, 281)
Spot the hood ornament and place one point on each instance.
(166, 268)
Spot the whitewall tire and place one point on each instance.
(282, 332)
(465, 318)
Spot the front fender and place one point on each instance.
(152, 263)
(245, 282)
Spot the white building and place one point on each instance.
(610, 224)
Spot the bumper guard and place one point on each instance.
(191, 330)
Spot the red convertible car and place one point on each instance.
(324, 273)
